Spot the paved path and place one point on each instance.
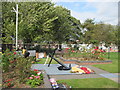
(112, 76)
(99, 74)
(61, 77)
(53, 72)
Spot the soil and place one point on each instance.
(26, 86)
(84, 59)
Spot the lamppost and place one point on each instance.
(16, 11)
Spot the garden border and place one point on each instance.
(85, 62)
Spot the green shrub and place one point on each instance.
(22, 68)
(15, 66)
(8, 60)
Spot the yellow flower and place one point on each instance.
(1, 53)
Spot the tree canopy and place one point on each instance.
(45, 22)
(38, 22)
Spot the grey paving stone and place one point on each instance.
(109, 75)
(52, 70)
(62, 77)
(97, 70)
(47, 83)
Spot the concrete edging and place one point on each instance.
(47, 83)
(85, 62)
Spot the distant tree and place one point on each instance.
(89, 26)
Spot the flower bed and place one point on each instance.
(16, 72)
(82, 70)
(94, 56)
(86, 62)
(35, 79)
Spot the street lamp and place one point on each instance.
(16, 11)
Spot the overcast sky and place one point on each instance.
(105, 11)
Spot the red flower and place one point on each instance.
(67, 48)
(15, 53)
(35, 70)
(72, 51)
(93, 52)
(95, 49)
(8, 80)
(101, 51)
(8, 84)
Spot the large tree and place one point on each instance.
(40, 22)
(35, 20)
(66, 26)
(8, 25)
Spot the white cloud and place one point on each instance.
(102, 0)
(105, 11)
(82, 16)
(85, 0)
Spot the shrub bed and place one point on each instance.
(16, 71)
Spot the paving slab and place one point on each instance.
(116, 73)
(109, 75)
(62, 77)
(53, 70)
(97, 70)
(115, 77)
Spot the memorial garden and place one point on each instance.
(52, 49)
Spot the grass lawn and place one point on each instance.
(42, 61)
(90, 83)
(112, 68)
